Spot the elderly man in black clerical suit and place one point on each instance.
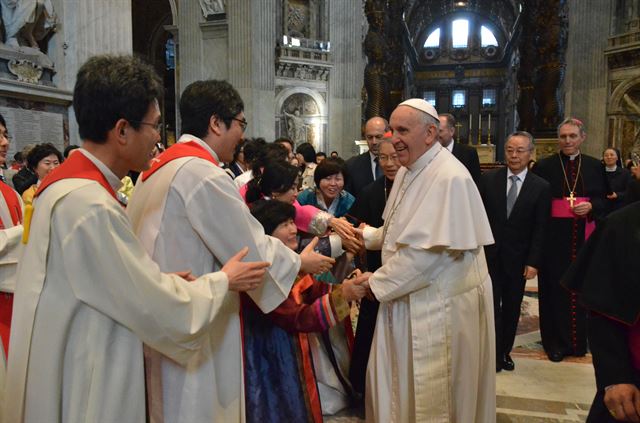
(467, 155)
(368, 208)
(517, 203)
(578, 189)
(364, 168)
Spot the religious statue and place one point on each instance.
(375, 73)
(296, 127)
(27, 22)
(212, 7)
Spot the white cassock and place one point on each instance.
(10, 249)
(189, 215)
(87, 296)
(433, 354)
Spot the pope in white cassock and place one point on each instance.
(433, 354)
(188, 213)
(87, 293)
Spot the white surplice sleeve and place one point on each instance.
(109, 270)
(223, 221)
(373, 237)
(407, 270)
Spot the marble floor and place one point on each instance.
(538, 391)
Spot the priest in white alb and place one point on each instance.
(87, 294)
(188, 213)
(433, 353)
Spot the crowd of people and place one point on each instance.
(245, 280)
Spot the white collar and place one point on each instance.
(426, 157)
(189, 137)
(611, 168)
(111, 177)
(521, 175)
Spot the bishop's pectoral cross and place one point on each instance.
(571, 199)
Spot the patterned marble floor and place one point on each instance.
(538, 391)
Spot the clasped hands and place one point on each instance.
(356, 286)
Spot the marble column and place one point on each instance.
(346, 29)
(87, 28)
(252, 41)
(586, 78)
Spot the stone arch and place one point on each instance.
(617, 102)
(306, 117)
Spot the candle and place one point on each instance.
(479, 128)
(469, 134)
(489, 126)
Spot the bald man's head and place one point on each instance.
(374, 131)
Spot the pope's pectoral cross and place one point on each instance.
(571, 199)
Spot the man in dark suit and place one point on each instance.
(518, 206)
(364, 168)
(466, 154)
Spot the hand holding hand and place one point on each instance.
(342, 227)
(244, 276)
(313, 262)
(623, 402)
(612, 196)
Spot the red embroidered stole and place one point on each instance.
(177, 151)
(76, 166)
(13, 204)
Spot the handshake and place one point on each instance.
(356, 286)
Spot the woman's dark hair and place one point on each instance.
(307, 151)
(39, 152)
(109, 88)
(68, 149)
(268, 153)
(238, 149)
(328, 167)
(3, 123)
(271, 213)
(277, 176)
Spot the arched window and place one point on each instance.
(433, 40)
(487, 38)
(460, 33)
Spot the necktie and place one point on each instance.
(512, 195)
(378, 170)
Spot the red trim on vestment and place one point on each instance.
(177, 151)
(13, 204)
(76, 166)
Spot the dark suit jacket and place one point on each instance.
(368, 208)
(360, 174)
(469, 158)
(518, 239)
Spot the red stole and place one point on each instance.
(76, 166)
(13, 204)
(177, 151)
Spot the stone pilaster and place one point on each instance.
(345, 82)
(252, 41)
(586, 79)
(88, 28)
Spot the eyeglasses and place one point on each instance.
(518, 151)
(384, 158)
(156, 126)
(243, 123)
